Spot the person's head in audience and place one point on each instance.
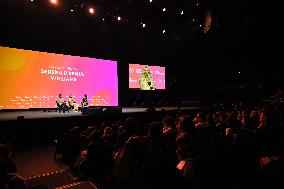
(199, 118)
(185, 124)
(217, 117)
(4, 150)
(115, 126)
(96, 138)
(107, 131)
(264, 119)
(262, 116)
(75, 130)
(229, 131)
(244, 120)
(254, 119)
(180, 112)
(120, 129)
(168, 125)
(130, 124)
(183, 140)
(90, 129)
(209, 119)
(155, 129)
(103, 126)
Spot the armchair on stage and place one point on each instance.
(72, 103)
(61, 104)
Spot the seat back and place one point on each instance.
(157, 167)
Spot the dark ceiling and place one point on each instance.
(39, 25)
(239, 47)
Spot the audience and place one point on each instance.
(218, 148)
(9, 179)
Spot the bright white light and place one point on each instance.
(103, 19)
(143, 25)
(53, 1)
(193, 20)
(71, 10)
(150, 1)
(32, 0)
(181, 12)
(164, 9)
(164, 31)
(200, 25)
(91, 10)
(118, 18)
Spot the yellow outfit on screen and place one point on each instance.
(146, 80)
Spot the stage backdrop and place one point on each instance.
(32, 79)
(157, 72)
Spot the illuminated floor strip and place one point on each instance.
(44, 174)
(69, 185)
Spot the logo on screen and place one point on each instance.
(62, 73)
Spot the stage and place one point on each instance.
(38, 114)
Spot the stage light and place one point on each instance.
(32, 0)
(150, 1)
(143, 25)
(91, 10)
(193, 20)
(71, 10)
(103, 19)
(200, 25)
(164, 9)
(181, 12)
(164, 31)
(118, 18)
(53, 1)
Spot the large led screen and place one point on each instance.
(146, 77)
(32, 79)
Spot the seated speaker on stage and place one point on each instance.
(84, 102)
(72, 103)
(61, 103)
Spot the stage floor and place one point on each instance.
(36, 114)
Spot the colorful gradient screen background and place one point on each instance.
(157, 72)
(32, 79)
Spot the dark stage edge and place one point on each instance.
(38, 114)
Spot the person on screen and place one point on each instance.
(84, 102)
(146, 81)
(72, 103)
(61, 104)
